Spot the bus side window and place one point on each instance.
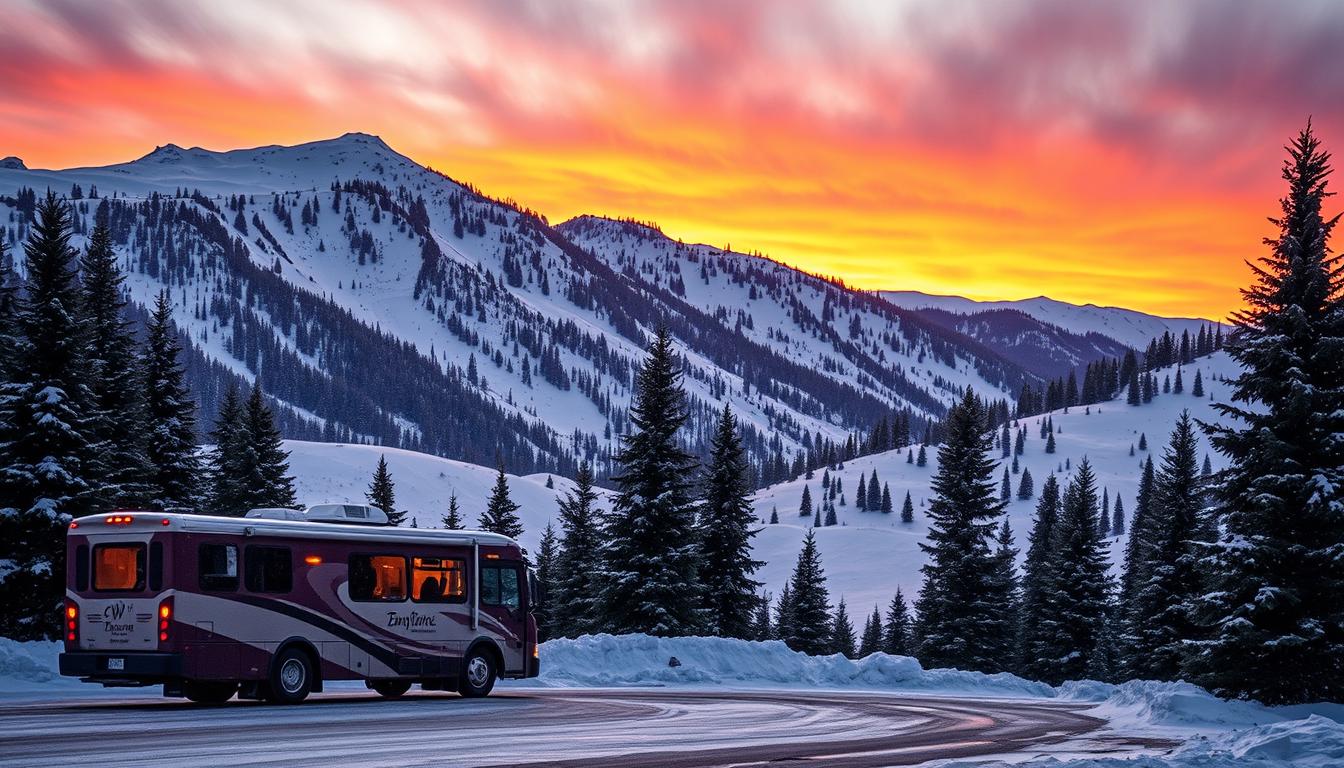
(217, 566)
(378, 578)
(155, 566)
(438, 580)
(499, 586)
(268, 569)
(81, 567)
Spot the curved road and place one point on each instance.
(610, 728)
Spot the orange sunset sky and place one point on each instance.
(1112, 152)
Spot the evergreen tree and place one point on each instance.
(1141, 535)
(1025, 487)
(729, 592)
(1134, 395)
(382, 491)
(1160, 617)
(1276, 607)
(830, 516)
(579, 560)
(784, 614)
(9, 330)
(1118, 517)
(774, 516)
(117, 423)
(871, 640)
(810, 625)
(45, 433)
(842, 635)
(761, 627)
(1197, 390)
(1006, 487)
(959, 620)
(886, 499)
(227, 493)
(266, 468)
(922, 459)
(650, 572)
(1036, 588)
(805, 506)
(547, 553)
(907, 509)
(501, 511)
(170, 416)
(452, 519)
(1078, 587)
(897, 640)
(861, 495)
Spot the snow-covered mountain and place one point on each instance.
(380, 301)
(1126, 326)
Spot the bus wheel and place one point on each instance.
(208, 692)
(390, 689)
(478, 673)
(291, 677)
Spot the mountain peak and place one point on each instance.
(13, 163)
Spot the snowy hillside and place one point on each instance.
(1131, 328)
(381, 301)
(868, 554)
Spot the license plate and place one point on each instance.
(117, 665)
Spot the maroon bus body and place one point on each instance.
(178, 628)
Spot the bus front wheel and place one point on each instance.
(291, 677)
(478, 673)
(391, 689)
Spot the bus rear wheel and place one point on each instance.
(291, 677)
(391, 689)
(208, 691)
(478, 674)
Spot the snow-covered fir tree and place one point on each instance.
(452, 519)
(382, 492)
(871, 639)
(501, 511)
(1159, 619)
(547, 553)
(960, 613)
(45, 440)
(174, 478)
(726, 531)
(809, 625)
(1275, 607)
(1032, 639)
(266, 462)
(842, 634)
(897, 637)
(650, 572)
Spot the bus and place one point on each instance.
(273, 605)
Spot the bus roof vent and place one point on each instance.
(275, 513)
(355, 514)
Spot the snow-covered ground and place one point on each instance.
(1213, 733)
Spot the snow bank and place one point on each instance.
(1180, 705)
(608, 660)
(30, 662)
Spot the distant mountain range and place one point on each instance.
(378, 300)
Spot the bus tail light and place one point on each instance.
(536, 651)
(165, 618)
(71, 622)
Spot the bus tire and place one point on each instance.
(478, 672)
(390, 689)
(208, 691)
(291, 676)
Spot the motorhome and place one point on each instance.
(273, 605)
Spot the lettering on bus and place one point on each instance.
(412, 621)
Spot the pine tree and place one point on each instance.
(1078, 587)
(886, 499)
(1005, 595)
(1050, 442)
(1134, 395)
(830, 517)
(382, 491)
(227, 493)
(810, 624)
(650, 572)
(266, 470)
(579, 562)
(452, 519)
(805, 506)
(861, 495)
(547, 553)
(1159, 620)
(1141, 535)
(117, 423)
(958, 624)
(45, 449)
(729, 592)
(1025, 487)
(842, 634)
(1104, 519)
(1006, 487)
(774, 516)
(871, 640)
(170, 416)
(1276, 608)
(1118, 517)
(1036, 587)
(9, 330)
(907, 509)
(501, 511)
(1197, 390)
(784, 614)
(922, 459)
(896, 640)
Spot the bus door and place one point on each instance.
(502, 585)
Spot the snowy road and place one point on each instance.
(551, 727)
